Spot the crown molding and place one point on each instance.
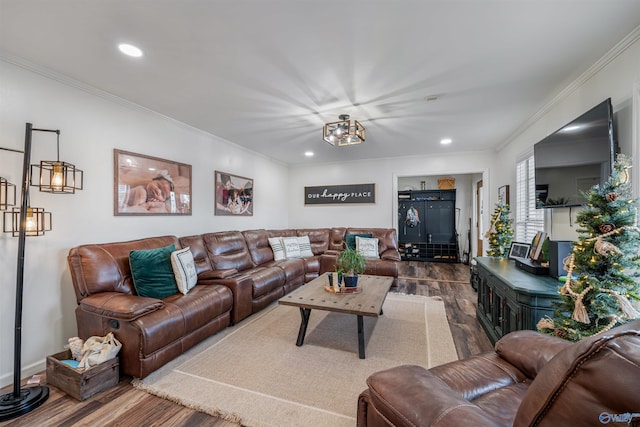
(612, 54)
(92, 90)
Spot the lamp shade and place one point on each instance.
(57, 177)
(7, 194)
(37, 222)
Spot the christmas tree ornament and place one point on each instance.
(605, 248)
(611, 197)
(606, 227)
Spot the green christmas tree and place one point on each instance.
(602, 288)
(500, 233)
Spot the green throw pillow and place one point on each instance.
(350, 239)
(152, 272)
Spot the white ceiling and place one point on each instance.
(266, 74)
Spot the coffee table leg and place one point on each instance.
(360, 337)
(304, 313)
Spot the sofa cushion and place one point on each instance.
(350, 239)
(368, 247)
(198, 250)
(291, 247)
(201, 305)
(305, 246)
(319, 238)
(265, 279)
(152, 272)
(105, 267)
(228, 249)
(277, 248)
(184, 269)
(259, 246)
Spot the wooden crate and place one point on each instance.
(81, 383)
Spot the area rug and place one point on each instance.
(254, 374)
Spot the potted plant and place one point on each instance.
(352, 263)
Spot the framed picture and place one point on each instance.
(519, 250)
(234, 195)
(145, 185)
(503, 194)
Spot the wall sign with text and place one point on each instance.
(340, 194)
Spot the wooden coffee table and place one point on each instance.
(366, 303)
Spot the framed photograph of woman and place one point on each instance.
(145, 185)
(234, 195)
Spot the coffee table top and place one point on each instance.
(366, 303)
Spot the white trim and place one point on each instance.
(636, 139)
(92, 90)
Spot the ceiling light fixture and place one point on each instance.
(445, 141)
(130, 50)
(344, 132)
(308, 153)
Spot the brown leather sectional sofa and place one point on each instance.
(237, 276)
(529, 380)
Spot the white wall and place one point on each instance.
(613, 77)
(386, 174)
(91, 127)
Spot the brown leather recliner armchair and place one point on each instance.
(529, 380)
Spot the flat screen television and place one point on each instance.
(575, 158)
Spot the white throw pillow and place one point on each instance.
(368, 247)
(184, 268)
(305, 247)
(277, 248)
(291, 247)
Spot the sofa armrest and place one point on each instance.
(410, 395)
(242, 289)
(217, 274)
(390, 255)
(116, 305)
(529, 351)
(332, 252)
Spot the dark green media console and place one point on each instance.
(510, 299)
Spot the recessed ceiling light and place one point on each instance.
(130, 50)
(445, 141)
(308, 153)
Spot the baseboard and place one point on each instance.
(26, 371)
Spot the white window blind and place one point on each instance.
(529, 220)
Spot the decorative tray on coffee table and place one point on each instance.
(343, 290)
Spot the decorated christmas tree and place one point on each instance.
(500, 232)
(602, 288)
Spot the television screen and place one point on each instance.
(575, 158)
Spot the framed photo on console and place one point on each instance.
(519, 250)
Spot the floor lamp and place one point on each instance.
(55, 177)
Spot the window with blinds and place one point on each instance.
(529, 220)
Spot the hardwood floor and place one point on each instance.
(124, 405)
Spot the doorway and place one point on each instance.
(479, 211)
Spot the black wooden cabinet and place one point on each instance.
(434, 238)
(510, 299)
